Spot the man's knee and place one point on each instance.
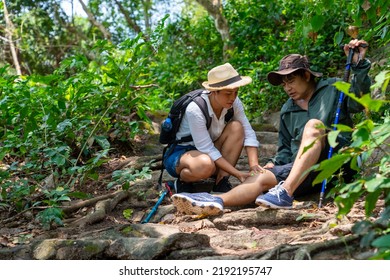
(314, 128)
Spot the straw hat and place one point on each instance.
(225, 77)
(289, 64)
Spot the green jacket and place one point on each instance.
(322, 106)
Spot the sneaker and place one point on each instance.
(277, 197)
(179, 186)
(198, 204)
(223, 185)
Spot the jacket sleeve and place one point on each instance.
(284, 154)
(360, 84)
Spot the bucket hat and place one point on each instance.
(225, 77)
(289, 64)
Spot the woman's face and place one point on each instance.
(297, 87)
(225, 98)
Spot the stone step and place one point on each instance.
(267, 137)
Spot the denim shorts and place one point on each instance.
(172, 158)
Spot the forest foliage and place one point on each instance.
(72, 87)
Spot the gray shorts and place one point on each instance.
(281, 173)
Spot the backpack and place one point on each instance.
(171, 124)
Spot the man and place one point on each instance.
(312, 104)
(214, 151)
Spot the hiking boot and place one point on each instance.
(223, 185)
(179, 186)
(198, 204)
(277, 197)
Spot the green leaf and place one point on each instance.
(344, 128)
(306, 148)
(338, 38)
(381, 78)
(362, 227)
(103, 142)
(371, 200)
(127, 213)
(330, 166)
(346, 201)
(332, 137)
(361, 136)
(317, 22)
(371, 104)
(79, 195)
(342, 86)
(382, 242)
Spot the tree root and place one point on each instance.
(102, 208)
(302, 252)
(85, 203)
(137, 163)
(307, 251)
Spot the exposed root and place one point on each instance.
(102, 208)
(302, 252)
(85, 203)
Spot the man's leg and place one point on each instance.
(281, 196)
(307, 159)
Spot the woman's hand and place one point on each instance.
(243, 176)
(256, 169)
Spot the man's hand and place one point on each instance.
(360, 47)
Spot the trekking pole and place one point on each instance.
(159, 201)
(347, 72)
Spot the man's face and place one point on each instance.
(296, 86)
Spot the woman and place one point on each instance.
(214, 152)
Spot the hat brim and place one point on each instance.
(245, 80)
(276, 77)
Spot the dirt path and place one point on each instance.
(108, 226)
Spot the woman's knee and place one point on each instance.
(235, 127)
(201, 166)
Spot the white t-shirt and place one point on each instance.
(203, 139)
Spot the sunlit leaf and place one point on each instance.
(330, 166)
(332, 137)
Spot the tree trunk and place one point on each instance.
(147, 5)
(91, 18)
(214, 8)
(9, 31)
(133, 24)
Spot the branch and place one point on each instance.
(214, 8)
(91, 17)
(9, 29)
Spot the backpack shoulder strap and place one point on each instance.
(199, 100)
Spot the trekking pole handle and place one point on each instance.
(348, 65)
